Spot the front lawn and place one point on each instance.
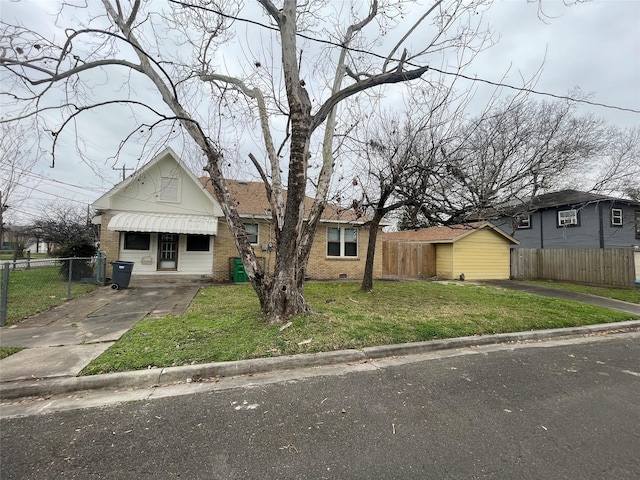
(38, 289)
(223, 323)
(630, 294)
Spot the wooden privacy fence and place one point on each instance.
(408, 259)
(602, 266)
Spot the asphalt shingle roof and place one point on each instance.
(569, 197)
(446, 234)
(251, 200)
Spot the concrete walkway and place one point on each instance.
(62, 341)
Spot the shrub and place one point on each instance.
(81, 268)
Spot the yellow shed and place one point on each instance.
(479, 250)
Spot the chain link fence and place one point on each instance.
(31, 286)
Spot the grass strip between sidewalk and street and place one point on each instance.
(223, 323)
(630, 294)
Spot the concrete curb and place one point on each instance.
(185, 374)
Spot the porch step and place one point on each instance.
(167, 278)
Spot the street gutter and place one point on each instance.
(154, 377)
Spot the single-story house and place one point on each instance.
(169, 222)
(572, 219)
(473, 251)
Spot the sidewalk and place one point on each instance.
(62, 341)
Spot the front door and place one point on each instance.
(167, 251)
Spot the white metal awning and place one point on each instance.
(164, 223)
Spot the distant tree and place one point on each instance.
(516, 150)
(632, 193)
(19, 237)
(17, 158)
(617, 171)
(64, 224)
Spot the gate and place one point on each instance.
(408, 259)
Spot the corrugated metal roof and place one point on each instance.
(164, 223)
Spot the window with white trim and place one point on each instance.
(342, 242)
(252, 232)
(567, 218)
(616, 217)
(523, 221)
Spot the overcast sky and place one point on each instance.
(594, 45)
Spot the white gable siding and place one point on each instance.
(144, 192)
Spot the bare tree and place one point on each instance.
(516, 150)
(17, 158)
(178, 52)
(399, 161)
(63, 223)
(401, 168)
(618, 169)
(497, 162)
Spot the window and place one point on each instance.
(616, 217)
(567, 218)
(350, 242)
(252, 232)
(137, 241)
(198, 243)
(169, 189)
(333, 242)
(342, 242)
(637, 224)
(523, 221)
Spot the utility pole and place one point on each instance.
(124, 170)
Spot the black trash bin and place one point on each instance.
(121, 274)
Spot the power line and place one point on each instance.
(536, 92)
(382, 57)
(29, 173)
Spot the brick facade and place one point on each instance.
(321, 266)
(109, 241)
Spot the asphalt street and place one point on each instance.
(554, 410)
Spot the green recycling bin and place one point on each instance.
(121, 274)
(238, 272)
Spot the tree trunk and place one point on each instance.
(284, 299)
(367, 280)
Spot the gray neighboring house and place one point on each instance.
(574, 219)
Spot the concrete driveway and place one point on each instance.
(566, 295)
(62, 341)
